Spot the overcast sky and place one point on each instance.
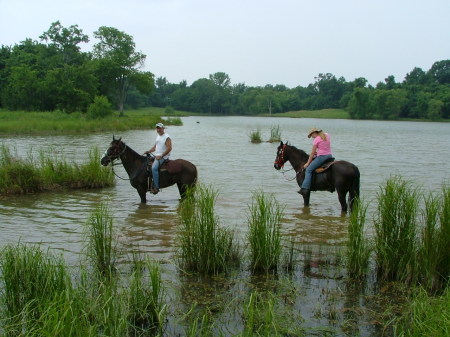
(256, 42)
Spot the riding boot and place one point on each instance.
(303, 191)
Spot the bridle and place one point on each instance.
(279, 160)
(113, 157)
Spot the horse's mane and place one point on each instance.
(301, 152)
(131, 150)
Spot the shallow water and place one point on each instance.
(220, 148)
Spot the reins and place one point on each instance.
(114, 164)
(280, 161)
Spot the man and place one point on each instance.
(161, 151)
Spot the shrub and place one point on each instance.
(100, 108)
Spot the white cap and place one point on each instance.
(160, 125)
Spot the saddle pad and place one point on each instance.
(172, 166)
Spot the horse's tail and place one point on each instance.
(354, 189)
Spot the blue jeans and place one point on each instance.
(317, 162)
(155, 171)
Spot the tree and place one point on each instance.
(440, 72)
(66, 40)
(119, 63)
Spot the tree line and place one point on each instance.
(54, 74)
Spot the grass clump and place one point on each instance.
(275, 134)
(255, 136)
(358, 250)
(264, 237)
(396, 229)
(147, 310)
(101, 247)
(50, 172)
(30, 280)
(204, 246)
(425, 316)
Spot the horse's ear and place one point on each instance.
(119, 139)
(281, 143)
(114, 138)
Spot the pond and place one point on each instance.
(220, 147)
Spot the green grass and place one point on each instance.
(204, 245)
(49, 172)
(264, 236)
(426, 316)
(255, 136)
(275, 134)
(57, 122)
(396, 228)
(358, 250)
(324, 113)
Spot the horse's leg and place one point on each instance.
(342, 200)
(182, 190)
(306, 198)
(143, 194)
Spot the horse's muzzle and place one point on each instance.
(276, 166)
(105, 161)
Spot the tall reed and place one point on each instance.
(255, 136)
(429, 246)
(147, 310)
(275, 134)
(358, 250)
(443, 265)
(30, 279)
(50, 171)
(396, 227)
(264, 237)
(101, 247)
(204, 246)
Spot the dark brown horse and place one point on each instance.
(341, 176)
(178, 171)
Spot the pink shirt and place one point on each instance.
(323, 146)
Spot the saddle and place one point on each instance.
(169, 166)
(325, 166)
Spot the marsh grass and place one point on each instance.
(102, 242)
(31, 279)
(264, 220)
(396, 243)
(255, 136)
(275, 134)
(425, 316)
(49, 172)
(358, 250)
(57, 122)
(146, 300)
(204, 246)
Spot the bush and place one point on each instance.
(100, 108)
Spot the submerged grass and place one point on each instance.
(204, 246)
(264, 222)
(49, 172)
(101, 238)
(255, 136)
(358, 250)
(275, 134)
(396, 231)
(425, 316)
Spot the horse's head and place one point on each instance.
(115, 149)
(280, 159)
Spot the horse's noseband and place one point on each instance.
(280, 157)
(116, 154)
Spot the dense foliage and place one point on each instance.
(54, 74)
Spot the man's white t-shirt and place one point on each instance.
(161, 145)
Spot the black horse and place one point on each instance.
(341, 175)
(178, 171)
